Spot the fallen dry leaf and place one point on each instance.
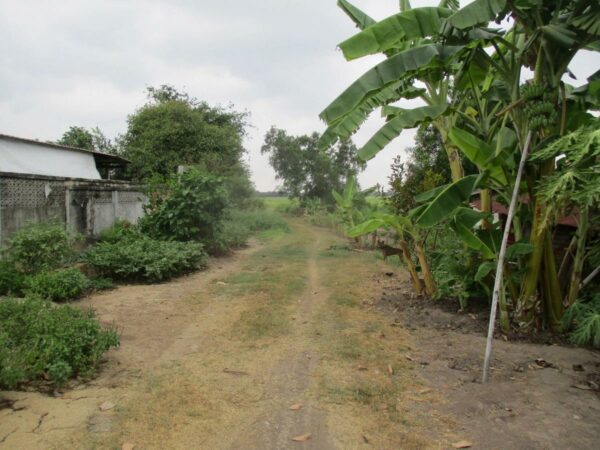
(296, 407)
(390, 369)
(583, 387)
(409, 357)
(106, 406)
(127, 446)
(302, 438)
(462, 444)
(361, 367)
(221, 283)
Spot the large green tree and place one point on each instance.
(306, 170)
(174, 129)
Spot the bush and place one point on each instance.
(58, 285)
(39, 246)
(39, 341)
(12, 282)
(190, 206)
(140, 258)
(582, 318)
(121, 229)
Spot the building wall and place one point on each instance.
(84, 206)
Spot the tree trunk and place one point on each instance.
(411, 268)
(429, 282)
(582, 231)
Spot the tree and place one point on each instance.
(426, 167)
(89, 139)
(308, 171)
(173, 129)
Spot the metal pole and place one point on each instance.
(501, 257)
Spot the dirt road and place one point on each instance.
(283, 345)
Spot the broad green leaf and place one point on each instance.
(468, 236)
(518, 249)
(484, 270)
(428, 195)
(365, 228)
(479, 153)
(446, 201)
(479, 12)
(392, 129)
(391, 70)
(386, 34)
(338, 198)
(360, 19)
(560, 35)
(469, 216)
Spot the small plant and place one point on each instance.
(583, 318)
(120, 230)
(39, 341)
(57, 285)
(140, 258)
(39, 246)
(12, 282)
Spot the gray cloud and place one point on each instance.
(87, 63)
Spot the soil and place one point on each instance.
(299, 342)
(541, 394)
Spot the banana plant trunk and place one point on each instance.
(411, 268)
(429, 282)
(582, 231)
(456, 168)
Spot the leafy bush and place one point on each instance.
(142, 258)
(190, 206)
(58, 285)
(12, 282)
(583, 319)
(39, 246)
(120, 230)
(39, 341)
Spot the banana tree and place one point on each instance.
(351, 201)
(403, 227)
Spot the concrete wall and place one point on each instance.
(84, 206)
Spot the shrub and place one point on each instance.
(101, 283)
(39, 246)
(12, 281)
(39, 341)
(190, 206)
(145, 259)
(583, 319)
(120, 230)
(58, 285)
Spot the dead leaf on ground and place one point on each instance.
(366, 439)
(409, 357)
(390, 369)
(361, 367)
(302, 438)
(462, 444)
(106, 406)
(221, 283)
(127, 446)
(296, 407)
(583, 387)
(239, 373)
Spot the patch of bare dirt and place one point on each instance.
(541, 395)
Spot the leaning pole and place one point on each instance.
(501, 257)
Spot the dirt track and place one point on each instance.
(216, 360)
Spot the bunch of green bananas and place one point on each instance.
(539, 107)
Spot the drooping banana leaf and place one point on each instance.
(360, 19)
(519, 249)
(479, 153)
(386, 34)
(365, 228)
(484, 270)
(479, 12)
(447, 201)
(385, 73)
(392, 129)
(472, 240)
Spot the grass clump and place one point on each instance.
(140, 258)
(57, 285)
(40, 341)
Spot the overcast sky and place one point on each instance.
(87, 63)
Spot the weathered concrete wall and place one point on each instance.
(84, 206)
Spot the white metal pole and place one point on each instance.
(501, 257)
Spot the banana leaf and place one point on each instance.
(392, 129)
(472, 240)
(447, 201)
(385, 73)
(365, 228)
(386, 34)
(360, 19)
(479, 12)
